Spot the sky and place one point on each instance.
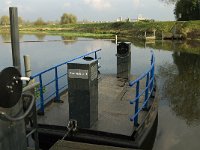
(91, 10)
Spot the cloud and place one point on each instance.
(99, 4)
(22, 8)
(136, 3)
(6, 4)
(67, 4)
(10, 3)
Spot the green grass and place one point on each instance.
(123, 29)
(70, 34)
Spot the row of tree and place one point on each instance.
(65, 19)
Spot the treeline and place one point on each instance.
(64, 19)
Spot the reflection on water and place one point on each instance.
(68, 40)
(179, 110)
(190, 46)
(6, 37)
(40, 36)
(181, 86)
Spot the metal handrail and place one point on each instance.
(65, 63)
(39, 75)
(149, 74)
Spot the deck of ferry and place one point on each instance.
(114, 108)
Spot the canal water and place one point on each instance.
(177, 74)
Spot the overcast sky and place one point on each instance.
(93, 10)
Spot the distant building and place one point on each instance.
(120, 19)
(141, 18)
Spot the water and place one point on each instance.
(177, 74)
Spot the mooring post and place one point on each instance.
(115, 39)
(154, 33)
(137, 103)
(15, 37)
(27, 67)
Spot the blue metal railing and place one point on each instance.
(56, 92)
(149, 74)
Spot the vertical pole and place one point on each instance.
(162, 36)
(116, 39)
(27, 66)
(145, 35)
(95, 55)
(35, 125)
(57, 87)
(137, 103)
(147, 91)
(15, 37)
(152, 74)
(41, 96)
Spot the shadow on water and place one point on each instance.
(181, 86)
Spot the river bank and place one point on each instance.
(189, 29)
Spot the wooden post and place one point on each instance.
(154, 33)
(15, 37)
(115, 39)
(27, 65)
(145, 35)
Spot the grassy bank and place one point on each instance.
(190, 29)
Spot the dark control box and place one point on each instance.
(123, 60)
(83, 92)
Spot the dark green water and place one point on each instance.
(177, 73)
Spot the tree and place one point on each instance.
(68, 19)
(20, 21)
(187, 10)
(4, 20)
(39, 22)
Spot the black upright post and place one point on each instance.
(83, 92)
(123, 60)
(14, 30)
